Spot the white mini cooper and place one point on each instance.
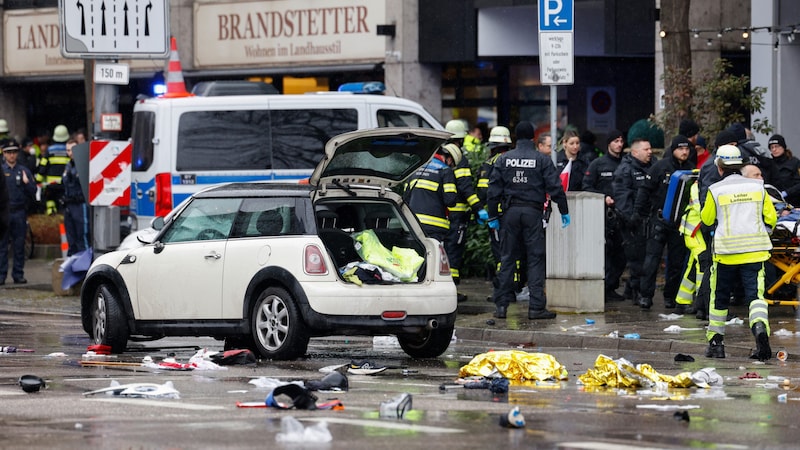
(269, 265)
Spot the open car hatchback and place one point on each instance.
(267, 266)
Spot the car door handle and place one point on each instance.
(213, 255)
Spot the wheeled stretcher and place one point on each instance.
(785, 256)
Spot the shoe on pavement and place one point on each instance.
(763, 351)
(20, 281)
(364, 368)
(701, 315)
(500, 312)
(461, 297)
(536, 314)
(716, 347)
(612, 296)
(645, 302)
(683, 309)
(669, 303)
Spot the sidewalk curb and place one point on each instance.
(546, 339)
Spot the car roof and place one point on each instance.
(255, 190)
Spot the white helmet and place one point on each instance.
(728, 156)
(457, 127)
(500, 135)
(452, 150)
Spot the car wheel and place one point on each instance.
(277, 328)
(428, 344)
(109, 326)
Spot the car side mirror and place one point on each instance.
(157, 223)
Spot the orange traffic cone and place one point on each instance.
(175, 84)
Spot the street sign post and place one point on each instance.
(556, 48)
(556, 52)
(114, 29)
(111, 73)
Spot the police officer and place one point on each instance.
(21, 188)
(649, 204)
(76, 211)
(520, 181)
(628, 178)
(740, 207)
(431, 190)
(598, 178)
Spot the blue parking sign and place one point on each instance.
(556, 15)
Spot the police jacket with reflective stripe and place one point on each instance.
(430, 191)
(524, 175)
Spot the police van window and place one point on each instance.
(223, 140)
(299, 135)
(394, 118)
(142, 139)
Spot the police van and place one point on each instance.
(223, 133)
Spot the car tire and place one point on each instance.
(429, 344)
(276, 325)
(109, 326)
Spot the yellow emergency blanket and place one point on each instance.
(400, 262)
(515, 365)
(621, 373)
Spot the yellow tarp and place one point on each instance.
(622, 374)
(515, 365)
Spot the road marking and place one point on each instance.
(157, 403)
(382, 424)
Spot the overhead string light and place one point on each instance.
(721, 34)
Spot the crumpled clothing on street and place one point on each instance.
(621, 373)
(515, 365)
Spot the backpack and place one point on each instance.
(678, 194)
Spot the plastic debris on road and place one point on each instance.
(293, 431)
(621, 373)
(783, 332)
(632, 336)
(678, 329)
(385, 342)
(396, 407)
(515, 365)
(670, 407)
(514, 419)
(707, 377)
(139, 390)
(671, 316)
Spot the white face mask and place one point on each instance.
(32, 151)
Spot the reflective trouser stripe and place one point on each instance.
(716, 317)
(688, 286)
(758, 313)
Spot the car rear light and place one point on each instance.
(163, 204)
(444, 264)
(313, 262)
(393, 315)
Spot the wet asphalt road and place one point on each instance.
(745, 413)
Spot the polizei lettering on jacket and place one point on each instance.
(521, 163)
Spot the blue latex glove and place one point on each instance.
(494, 224)
(564, 220)
(483, 216)
(784, 194)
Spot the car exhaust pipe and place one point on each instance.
(432, 324)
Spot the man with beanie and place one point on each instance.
(786, 170)
(519, 183)
(649, 202)
(598, 178)
(691, 130)
(740, 208)
(752, 152)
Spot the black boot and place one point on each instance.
(716, 347)
(500, 312)
(763, 352)
(645, 302)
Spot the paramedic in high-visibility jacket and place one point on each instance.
(519, 182)
(742, 211)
